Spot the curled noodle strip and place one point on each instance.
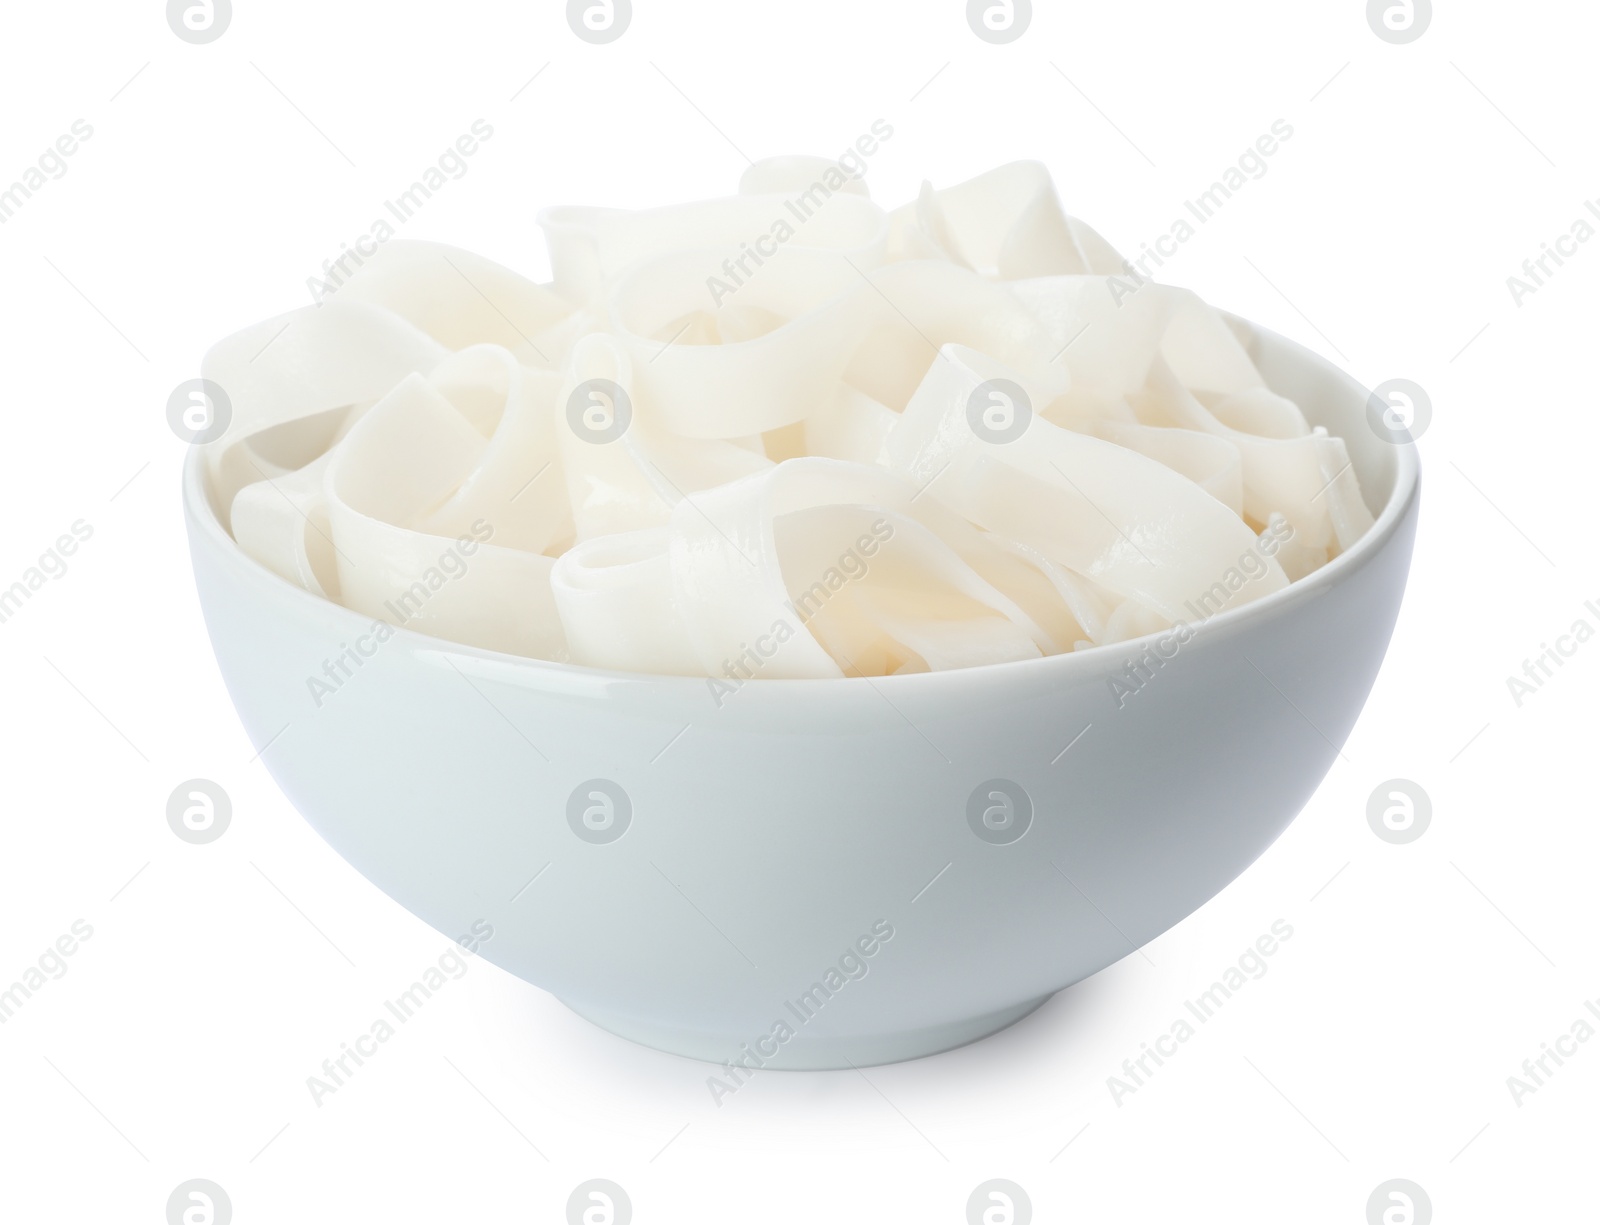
(780, 434)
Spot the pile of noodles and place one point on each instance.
(785, 433)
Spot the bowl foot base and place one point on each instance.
(808, 1050)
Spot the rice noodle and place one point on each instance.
(780, 434)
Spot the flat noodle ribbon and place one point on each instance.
(780, 434)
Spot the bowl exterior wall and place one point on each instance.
(778, 832)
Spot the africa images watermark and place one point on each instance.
(1137, 1070)
(851, 165)
(851, 966)
(450, 566)
(452, 163)
(1537, 1070)
(52, 162)
(1542, 667)
(1251, 164)
(450, 965)
(1538, 269)
(851, 565)
(52, 564)
(50, 964)
(1141, 669)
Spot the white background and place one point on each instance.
(219, 977)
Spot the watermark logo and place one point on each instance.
(199, 811)
(599, 1202)
(51, 564)
(999, 811)
(338, 1070)
(199, 411)
(1553, 256)
(454, 163)
(52, 162)
(999, 1202)
(1536, 671)
(1399, 1202)
(999, 411)
(403, 607)
(46, 968)
(599, 410)
(599, 811)
(199, 21)
(1252, 566)
(807, 602)
(599, 21)
(1399, 411)
(1399, 21)
(1537, 1070)
(853, 964)
(1141, 670)
(999, 21)
(850, 166)
(1399, 811)
(1251, 965)
(199, 1202)
(1252, 164)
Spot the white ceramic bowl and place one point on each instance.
(774, 840)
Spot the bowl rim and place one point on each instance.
(1088, 663)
